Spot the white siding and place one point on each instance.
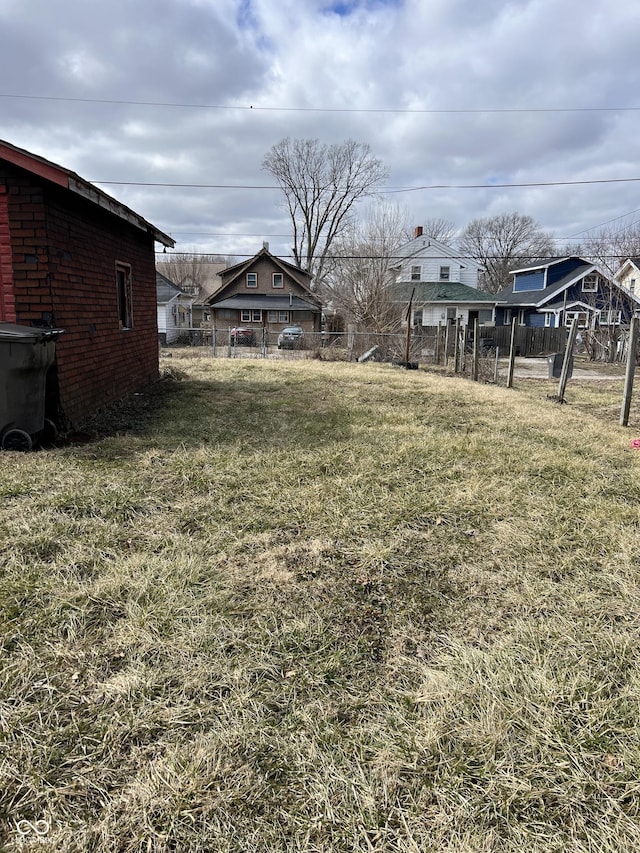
(431, 257)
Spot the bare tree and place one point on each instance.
(357, 281)
(502, 243)
(190, 270)
(321, 183)
(608, 248)
(437, 228)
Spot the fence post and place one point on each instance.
(456, 347)
(446, 346)
(438, 343)
(475, 350)
(630, 372)
(495, 366)
(512, 354)
(566, 361)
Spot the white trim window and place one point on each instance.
(583, 318)
(245, 315)
(590, 283)
(252, 279)
(283, 317)
(277, 280)
(445, 273)
(416, 273)
(256, 315)
(507, 317)
(521, 317)
(610, 318)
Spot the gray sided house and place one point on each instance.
(267, 293)
(551, 293)
(174, 309)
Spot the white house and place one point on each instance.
(628, 275)
(444, 283)
(174, 310)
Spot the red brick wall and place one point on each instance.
(64, 253)
(7, 305)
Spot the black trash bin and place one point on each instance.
(555, 365)
(26, 354)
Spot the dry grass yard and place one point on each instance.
(305, 606)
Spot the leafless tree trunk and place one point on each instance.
(321, 184)
(357, 278)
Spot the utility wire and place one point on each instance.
(381, 191)
(257, 108)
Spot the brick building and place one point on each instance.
(74, 258)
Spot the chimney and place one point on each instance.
(265, 245)
(417, 232)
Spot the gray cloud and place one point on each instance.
(288, 60)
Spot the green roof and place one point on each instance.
(439, 291)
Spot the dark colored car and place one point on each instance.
(242, 336)
(290, 337)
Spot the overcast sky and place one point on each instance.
(446, 92)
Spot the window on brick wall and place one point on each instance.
(125, 296)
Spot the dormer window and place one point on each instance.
(252, 279)
(278, 279)
(590, 283)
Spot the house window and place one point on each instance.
(206, 316)
(272, 316)
(417, 317)
(416, 273)
(283, 316)
(632, 285)
(256, 315)
(521, 318)
(444, 273)
(125, 296)
(245, 315)
(610, 318)
(278, 279)
(250, 315)
(547, 320)
(590, 283)
(252, 279)
(507, 317)
(583, 318)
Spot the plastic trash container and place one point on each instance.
(555, 365)
(26, 354)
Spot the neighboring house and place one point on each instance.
(428, 260)
(265, 292)
(436, 303)
(444, 284)
(74, 258)
(173, 310)
(201, 287)
(551, 293)
(628, 276)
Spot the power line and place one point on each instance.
(381, 191)
(376, 110)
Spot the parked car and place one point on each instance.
(291, 337)
(242, 336)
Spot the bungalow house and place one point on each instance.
(74, 258)
(265, 292)
(444, 284)
(552, 292)
(173, 310)
(628, 275)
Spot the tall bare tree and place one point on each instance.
(321, 184)
(357, 280)
(190, 270)
(501, 243)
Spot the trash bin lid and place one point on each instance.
(27, 334)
